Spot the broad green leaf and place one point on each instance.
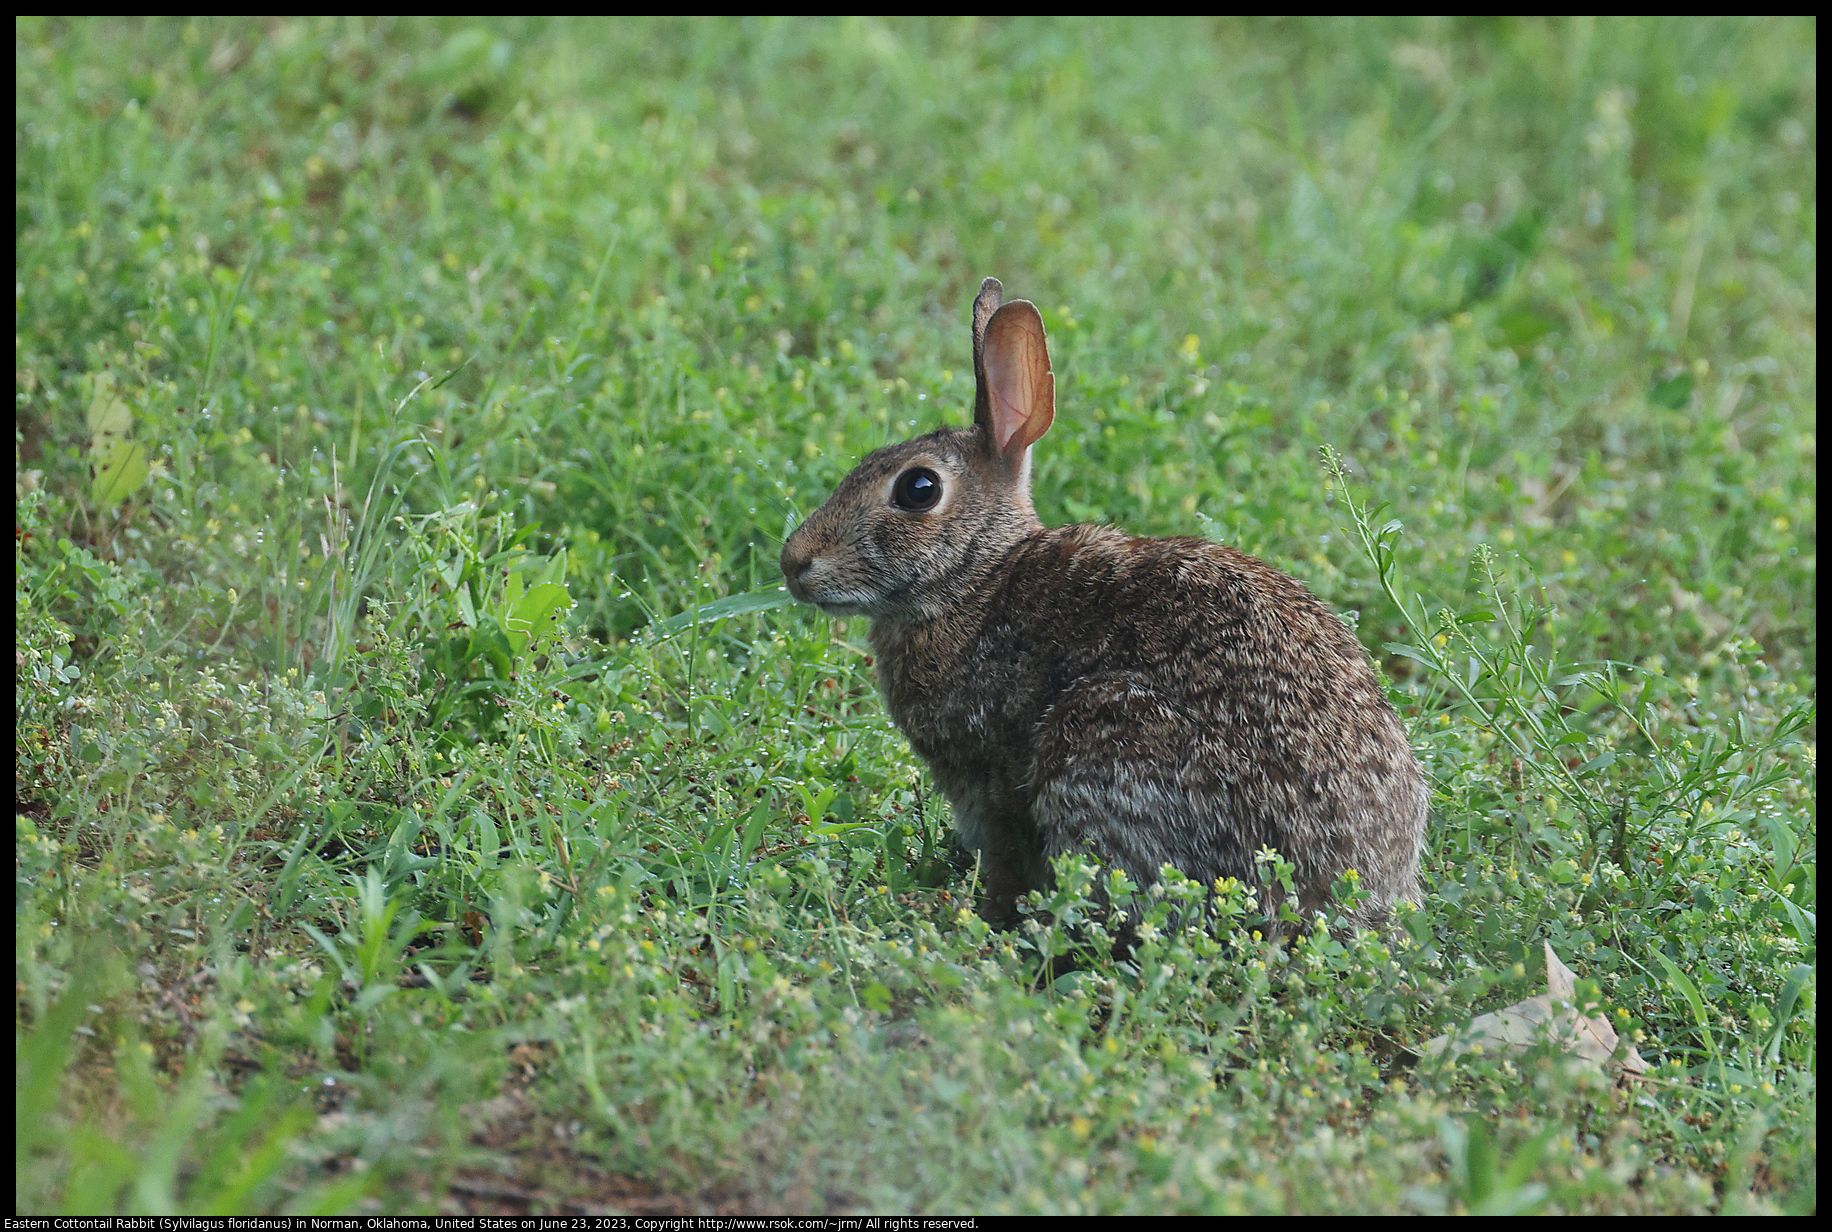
(122, 469)
(1797, 978)
(1687, 989)
(555, 572)
(532, 612)
(117, 465)
(759, 600)
(1673, 393)
(109, 416)
(1602, 761)
(753, 830)
(540, 603)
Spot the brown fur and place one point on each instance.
(1142, 701)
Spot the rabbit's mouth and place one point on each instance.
(835, 603)
(813, 582)
(841, 607)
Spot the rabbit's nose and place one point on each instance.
(796, 563)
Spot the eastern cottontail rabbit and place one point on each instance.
(1142, 701)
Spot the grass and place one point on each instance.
(425, 803)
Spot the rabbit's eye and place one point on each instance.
(917, 489)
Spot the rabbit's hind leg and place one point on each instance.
(1117, 777)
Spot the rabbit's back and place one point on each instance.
(1153, 701)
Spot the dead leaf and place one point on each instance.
(1550, 1015)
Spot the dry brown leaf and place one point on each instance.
(1549, 1015)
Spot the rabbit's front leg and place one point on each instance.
(1004, 840)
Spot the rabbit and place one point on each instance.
(1076, 689)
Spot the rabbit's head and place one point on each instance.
(918, 522)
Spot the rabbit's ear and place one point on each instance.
(1019, 388)
(984, 305)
